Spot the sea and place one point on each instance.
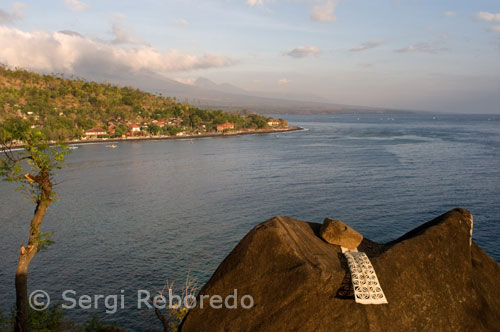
(150, 212)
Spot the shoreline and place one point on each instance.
(156, 138)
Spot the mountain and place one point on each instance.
(205, 93)
(205, 83)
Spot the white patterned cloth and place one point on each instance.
(367, 289)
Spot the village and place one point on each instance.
(174, 127)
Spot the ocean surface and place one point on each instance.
(133, 217)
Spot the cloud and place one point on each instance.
(495, 28)
(180, 22)
(76, 6)
(16, 13)
(253, 3)
(488, 17)
(325, 12)
(283, 81)
(70, 33)
(71, 52)
(123, 34)
(450, 14)
(368, 45)
(425, 47)
(186, 80)
(303, 51)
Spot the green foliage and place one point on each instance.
(177, 316)
(63, 109)
(36, 157)
(257, 121)
(95, 325)
(173, 130)
(43, 240)
(5, 323)
(49, 320)
(52, 319)
(154, 129)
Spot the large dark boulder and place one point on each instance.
(434, 278)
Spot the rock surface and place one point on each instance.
(433, 278)
(338, 233)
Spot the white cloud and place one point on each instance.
(74, 53)
(75, 5)
(368, 45)
(14, 15)
(186, 80)
(303, 51)
(253, 3)
(424, 47)
(283, 81)
(180, 22)
(124, 34)
(488, 17)
(495, 28)
(450, 14)
(325, 12)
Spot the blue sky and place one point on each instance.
(408, 54)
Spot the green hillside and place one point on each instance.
(64, 108)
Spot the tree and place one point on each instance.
(283, 122)
(154, 129)
(34, 169)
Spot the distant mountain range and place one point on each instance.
(205, 93)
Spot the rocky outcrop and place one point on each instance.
(434, 278)
(336, 232)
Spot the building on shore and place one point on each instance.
(95, 133)
(135, 129)
(225, 126)
(273, 123)
(111, 129)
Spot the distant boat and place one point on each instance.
(190, 141)
(72, 147)
(111, 146)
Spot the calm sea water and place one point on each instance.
(129, 218)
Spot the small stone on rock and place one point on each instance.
(338, 233)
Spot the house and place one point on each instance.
(112, 129)
(225, 126)
(95, 132)
(160, 124)
(273, 123)
(135, 129)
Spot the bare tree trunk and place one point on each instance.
(163, 319)
(25, 257)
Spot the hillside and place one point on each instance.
(65, 108)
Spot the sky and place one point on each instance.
(435, 55)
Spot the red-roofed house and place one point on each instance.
(135, 129)
(273, 123)
(225, 126)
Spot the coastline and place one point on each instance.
(153, 138)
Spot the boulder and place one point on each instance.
(434, 279)
(338, 233)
